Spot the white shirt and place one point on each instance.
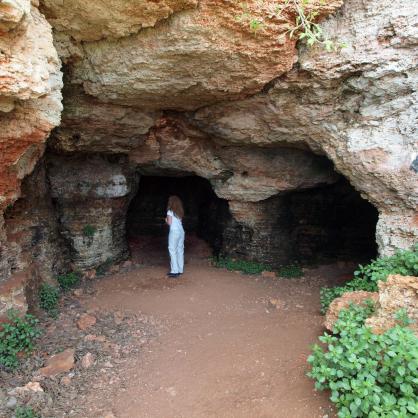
(175, 222)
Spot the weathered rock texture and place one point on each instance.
(397, 293)
(186, 87)
(92, 196)
(34, 249)
(197, 57)
(359, 107)
(30, 106)
(94, 20)
(343, 302)
(30, 97)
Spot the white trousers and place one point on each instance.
(176, 250)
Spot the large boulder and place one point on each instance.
(343, 302)
(397, 293)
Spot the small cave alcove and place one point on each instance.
(332, 223)
(206, 217)
(319, 225)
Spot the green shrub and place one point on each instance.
(290, 271)
(17, 336)
(25, 412)
(245, 266)
(368, 375)
(69, 280)
(89, 231)
(366, 277)
(48, 299)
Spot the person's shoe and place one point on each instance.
(173, 275)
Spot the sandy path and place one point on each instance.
(226, 350)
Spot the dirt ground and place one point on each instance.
(213, 343)
(233, 345)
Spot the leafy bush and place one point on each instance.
(290, 271)
(69, 280)
(404, 262)
(25, 412)
(245, 266)
(368, 375)
(48, 299)
(17, 336)
(89, 231)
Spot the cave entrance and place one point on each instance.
(318, 225)
(324, 224)
(205, 220)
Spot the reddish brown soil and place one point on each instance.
(231, 346)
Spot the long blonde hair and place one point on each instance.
(175, 205)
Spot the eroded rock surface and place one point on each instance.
(359, 107)
(94, 20)
(397, 294)
(92, 208)
(186, 87)
(30, 97)
(197, 57)
(343, 302)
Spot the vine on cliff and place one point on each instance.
(302, 21)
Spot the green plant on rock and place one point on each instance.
(253, 23)
(48, 299)
(69, 280)
(25, 412)
(404, 262)
(245, 266)
(17, 337)
(301, 17)
(290, 271)
(304, 25)
(368, 375)
(89, 231)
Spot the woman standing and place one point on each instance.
(175, 213)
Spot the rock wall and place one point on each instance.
(187, 87)
(358, 106)
(200, 93)
(92, 195)
(304, 226)
(30, 101)
(30, 92)
(35, 251)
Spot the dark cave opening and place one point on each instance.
(332, 222)
(317, 225)
(206, 215)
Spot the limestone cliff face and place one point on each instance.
(30, 106)
(358, 107)
(92, 208)
(197, 57)
(30, 92)
(95, 20)
(186, 87)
